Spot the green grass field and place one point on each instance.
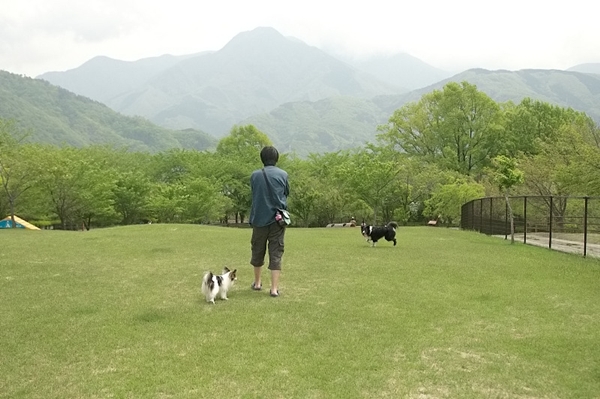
(117, 313)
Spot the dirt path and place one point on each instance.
(575, 247)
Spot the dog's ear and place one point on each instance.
(225, 269)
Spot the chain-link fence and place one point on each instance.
(570, 224)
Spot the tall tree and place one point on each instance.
(16, 164)
(129, 185)
(532, 122)
(331, 197)
(243, 143)
(560, 164)
(507, 175)
(580, 144)
(306, 190)
(446, 200)
(202, 201)
(78, 187)
(371, 174)
(131, 195)
(238, 156)
(458, 127)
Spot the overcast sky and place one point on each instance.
(38, 36)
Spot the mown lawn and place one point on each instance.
(117, 313)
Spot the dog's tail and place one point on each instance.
(208, 280)
(393, 224)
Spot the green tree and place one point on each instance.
(243, 144)
(77, 185)
(131, 175)
(188, 186)
(306, 193)
(534, 122)
(562, 161)
(506, 175)
(372, 175)
(238, 156)
(202, 200)
(164, 204)
(17, 174)
(577, 149)
(446, 201)
(131, 196)
(172, 166)
(458, 127)
(332, 198)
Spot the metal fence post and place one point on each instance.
(585, 225)
(550, 233)
(505, 219)
(491, 216)
(525, 220)
(480, 215)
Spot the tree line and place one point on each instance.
(432, 156)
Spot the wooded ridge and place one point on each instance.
(304, 99)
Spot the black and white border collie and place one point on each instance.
(375, 233)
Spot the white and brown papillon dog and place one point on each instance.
(214, 285)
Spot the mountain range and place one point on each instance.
(53, 115)
(254, 73)
(304, 99)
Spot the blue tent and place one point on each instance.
(6, 223)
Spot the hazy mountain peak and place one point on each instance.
(262, 32)
(262, 40)
(400, 69)
(586, 68)
(255, 72)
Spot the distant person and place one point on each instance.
(266, 232)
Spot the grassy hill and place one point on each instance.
(57, 116)
(117, 313)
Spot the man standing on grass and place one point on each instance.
(270, 189)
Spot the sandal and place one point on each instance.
(274, 294)
(255, 288)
